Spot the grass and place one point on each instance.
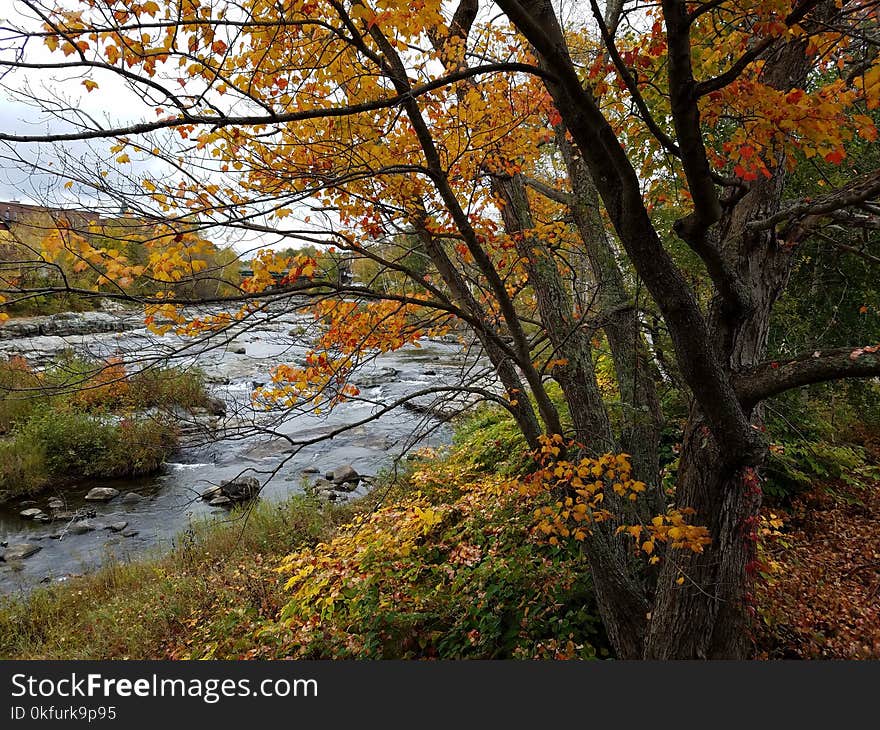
(220, 594)
(444, 562)
(156, 607)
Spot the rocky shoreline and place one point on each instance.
(68, 324)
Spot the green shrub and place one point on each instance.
(165, 387)
(57, 447)
(489, 440)
(799, 465)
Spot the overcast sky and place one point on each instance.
(114, 103)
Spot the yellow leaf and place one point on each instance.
(122, 159)
(89, 84)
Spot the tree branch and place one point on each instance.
(771, 378)
(548, 191)
(296, 116)
(854, 192)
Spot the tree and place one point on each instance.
(552, 189)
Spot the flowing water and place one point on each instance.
(238, 443)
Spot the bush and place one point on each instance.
(493, 442)
(165, 387)
(79, 419)
(57, 447)
(17, 399)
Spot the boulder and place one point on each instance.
(101, 494)
(374, 379)
(220, 501)
(311, 470)
(344, 475)
(19, 551)
(116, 526)
(240, 489)
(129, 533)
(31, 513)
(81, 528)
(55, 503)
(131, 498)
(215, 406)
(211, 492)
(64, 516)
(238, 351)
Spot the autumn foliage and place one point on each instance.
(607, 207)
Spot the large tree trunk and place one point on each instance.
(707, 614)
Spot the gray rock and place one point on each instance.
(344, 475)
(238, 351)
(311, 470)
(43, 517)
(81, 528)
(101, 494)
(55, 503)
(131, 498)
(20, 551)
(31, 513)
(220, 501)
(216, 406)
(211, 492)
(383, 375)
(129, 533)
(64, 516)
(116, 526)
(240, 489)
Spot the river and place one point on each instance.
(229, 446)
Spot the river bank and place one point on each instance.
(241, 443)
(437, 562)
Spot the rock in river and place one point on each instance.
(101, 494)
(31, 513)
(81, 528)
(19, 551)
(220, 501)
(211, 492)
(55, 503)
(215, 406)
(131, 498)
(117, 526)
(344, 475)
(240, 489)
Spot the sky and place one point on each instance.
(113, 103)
